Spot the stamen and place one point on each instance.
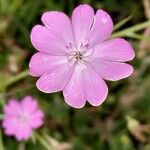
(70, 47)
(78, 55)
(84, 46)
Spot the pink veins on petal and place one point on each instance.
(20, 118)
(75, 55)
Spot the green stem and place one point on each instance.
(22, 146)
(130, 30)
(122, 22)
(1, 141)
(16, 90)
(43, 142)
(138, 36)
(16, 78)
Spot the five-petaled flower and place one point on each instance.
(21, 117)
(76, 56)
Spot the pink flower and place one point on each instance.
(75, 56)
(21, 117)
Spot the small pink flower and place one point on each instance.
(21, 117)
(75, 56)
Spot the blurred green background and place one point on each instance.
(122, 122)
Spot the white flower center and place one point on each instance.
(23, 117)
(79, 55)
(76, 57)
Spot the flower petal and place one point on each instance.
(82, 19)
(111, 70)
(36, 123)
(28, 101)
(37, 119)
(23, 132)
(41, 63)
(59, 24)
(55, 80)
(12, 108)
(45, 41)
(74, 91)
(10, 124)
(115, 50)
(96, 88)
(37, 115)
(101, 29)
